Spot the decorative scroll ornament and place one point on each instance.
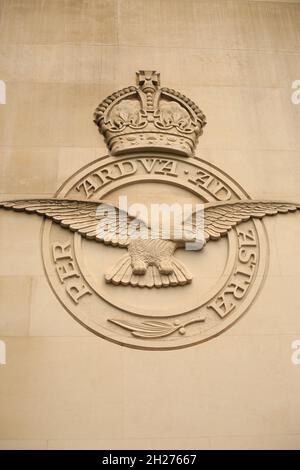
(149, 118)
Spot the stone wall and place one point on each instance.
(62, 386)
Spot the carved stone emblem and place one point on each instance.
(141, 286)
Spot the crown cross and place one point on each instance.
(148, 81)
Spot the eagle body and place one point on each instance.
(149, 263)
(155, 252)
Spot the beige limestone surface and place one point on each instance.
(65, 388)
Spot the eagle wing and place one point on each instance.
(95, 220)
(217, 219)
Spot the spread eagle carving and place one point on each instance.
(149, 260)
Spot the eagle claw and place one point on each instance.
(165, 267)
(139, 267)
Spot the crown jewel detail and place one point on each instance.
(150, 118)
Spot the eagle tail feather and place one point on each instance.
(121, 273)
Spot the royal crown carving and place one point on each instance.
(147, 117)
